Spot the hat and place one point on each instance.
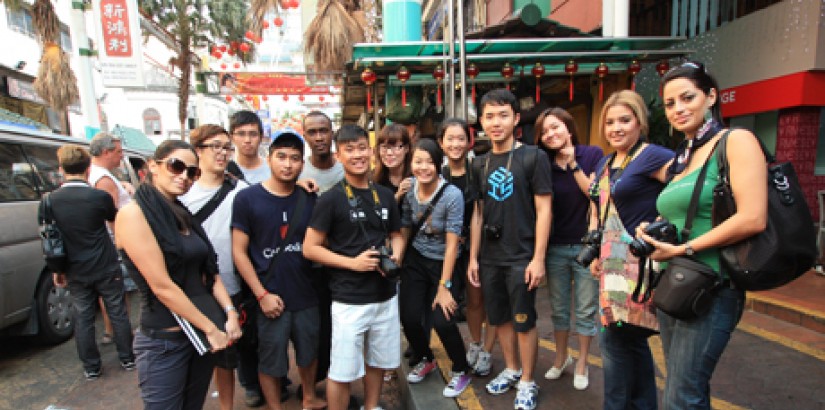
(283, 137)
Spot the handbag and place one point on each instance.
(786, 248)
(54, 248)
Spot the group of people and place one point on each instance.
(340, 256)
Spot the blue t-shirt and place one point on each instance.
(635, 192)
(263, 217)
(570, 205)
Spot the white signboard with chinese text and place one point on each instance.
(119, 42)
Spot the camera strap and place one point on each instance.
(354, 203)
(416, 227)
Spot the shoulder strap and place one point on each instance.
(693, 206)
(722, 156)
(234, 169)
(417, 227)
(530, 160)
(203, 214)
(290, 232)
(46, 210)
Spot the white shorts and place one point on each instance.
(378, 325)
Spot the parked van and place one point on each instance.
(30, 304)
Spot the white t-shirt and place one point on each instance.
(96, 172)
(325, 178)
(260, 174)
(217, 227)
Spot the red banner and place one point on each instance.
(268, 84)
(117, 40)
(794, 90)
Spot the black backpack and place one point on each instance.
(54, 249)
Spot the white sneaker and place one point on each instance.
(472, 353)
(555, 372)
(504, 382)
(526, 396)
(484, 363)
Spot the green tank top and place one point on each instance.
(673, 203)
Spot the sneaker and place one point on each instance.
(253, 398)
(92, 374)
(458, 383)
(503, 382)
(472, 353)
(374, 408)
(421, 370)
(128, 365)
(555, 372)
(484, 363)
(527, 396)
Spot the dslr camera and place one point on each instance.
(592, 242)
(492, 232)
(661, 230)
(386, 265)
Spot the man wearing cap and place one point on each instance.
(268, 222)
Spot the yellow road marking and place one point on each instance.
(777, 338)
(468, 399)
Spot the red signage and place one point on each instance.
(117, 40)
(268, 84)
(794, 90)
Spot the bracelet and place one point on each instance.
(266, 292)
(230, 308)
(573, 168)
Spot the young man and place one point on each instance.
(509, 232)
(350, 223)
(321, 166)
(93, 270)
(247, 131)
(269, 222)
(210, 201)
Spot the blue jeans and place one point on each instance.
(692, 349)
(565, 278)
(629, 374)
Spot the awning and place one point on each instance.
(793, 90)
(134, 138)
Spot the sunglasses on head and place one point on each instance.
(177, 167)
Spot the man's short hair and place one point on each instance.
(287, 139)
(499, 96)
(315, 113)
(205, 132)
(102, 142)
(242, 118)
(350, 133)
(74, 159)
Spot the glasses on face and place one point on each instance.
(247, 134)
(217, 147)
(317, 131)
(177, 167)
(390, 148)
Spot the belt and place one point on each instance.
(163, 334)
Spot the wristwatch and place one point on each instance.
(229, 308)
(689, 249)
(574, 168)
(446, 283)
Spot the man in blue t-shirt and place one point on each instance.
(268, 222)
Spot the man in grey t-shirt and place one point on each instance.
(246, 132)
(321, 165)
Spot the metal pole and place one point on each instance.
(85, 81)
(450, 94)
(463, 59)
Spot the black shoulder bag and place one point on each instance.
(54, 248)
(229, 183)
(421, 221)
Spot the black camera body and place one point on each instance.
(492, 232)
(661, 230)
(592, 242)
(386, 265)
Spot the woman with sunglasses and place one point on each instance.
(177, 276)
(392, 169)
(692, 348)
(572, 166)
(626, 184)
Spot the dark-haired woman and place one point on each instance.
(572, 166)
(177, 274)
(427, 278)
(692, 348)
(393, 153)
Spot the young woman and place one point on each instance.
(572, 166)
(176, 273)
(392, 169)
(626, 184)
(692, 348)
(454, 138)
(428, 266)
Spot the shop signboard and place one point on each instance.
(120, 45)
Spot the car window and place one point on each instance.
(17, 178)
(46, 166)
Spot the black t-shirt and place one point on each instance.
(468, 188)
(334, 216)
(508, 202)
(81, 213)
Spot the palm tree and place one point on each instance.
(196, 25)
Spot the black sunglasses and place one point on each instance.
(177, 167)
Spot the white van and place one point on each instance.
(29, 302)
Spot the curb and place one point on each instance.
(426, 395)
(787, 312)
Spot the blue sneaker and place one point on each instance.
(527, 396)
(503, 382)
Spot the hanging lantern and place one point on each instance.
(223, 66)
(321, 98)
(231, 53)
(296, 4)
(601, 72)
(249, 98)
(250, 35)
(403, 75)
(237, 65)
(286, 97)
(222, 48)
(278, 21)
(301, 98)
(265, 98)
(662, 68)
(507, 72)
(245, 47)
(265, 24)
(571, 68)
(538, 72)
(633, 69)
(368, 77)
(438, 75)
(472, 72)
(228, 98)
(217, 54)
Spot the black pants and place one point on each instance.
(419, 284)
(320, 282)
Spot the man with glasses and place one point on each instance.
(246, 131)
(321, 166)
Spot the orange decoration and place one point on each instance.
(368, 77)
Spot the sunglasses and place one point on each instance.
(177, 167)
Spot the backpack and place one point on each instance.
(786, 248)
(54, 248)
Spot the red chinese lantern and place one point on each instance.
(294, 3)
(231, 53)
(265, 98)
(662, 68)
(601, 72)
(321, 98)
(571, 68)
(222, 48)
(368, 77)
(538, 72)
(245, 47)
(223, 66)
(286, 97)
(301, 98)
(250, 35)
(403, 75)
(248, 98)
(278, 21)
(217, 54)
(265, 24)
(438, 75)
(237, 65)
(507, 72)
(228, 98)
(633, 69)
(472, 72)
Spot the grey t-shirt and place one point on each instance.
(447, 216)
(325, 178)
(256, 175)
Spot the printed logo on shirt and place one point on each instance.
(500, 183)
(269, 253)
(356, 215)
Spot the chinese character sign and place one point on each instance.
(119, 50)
(115, 19)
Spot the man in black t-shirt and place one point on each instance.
(509, 236)
(350, 223)
(93, 270)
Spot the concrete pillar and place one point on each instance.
(85, 82)
(621, 18)
(607, 18)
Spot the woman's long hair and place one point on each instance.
(565, 118)
(392, 134)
